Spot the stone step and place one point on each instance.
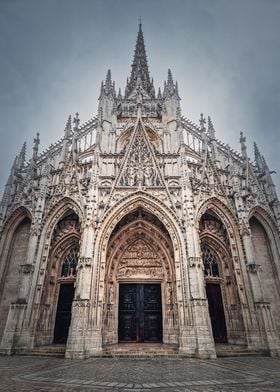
(137, 354)
(47, 351)
(140, 350)
(237, 351)
(245, 353)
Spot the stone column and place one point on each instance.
(77, 338)
(205, 347)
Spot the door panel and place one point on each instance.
(140, 313)
(63, 313)
(127, 312)
(216, 310)
(152, 313)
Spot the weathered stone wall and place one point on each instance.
(11, 279)
(267, 271)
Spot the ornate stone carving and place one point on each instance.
(139, 164)
(27, 268)
(84, 262)
(253, 268)
(139, 260)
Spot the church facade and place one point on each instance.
(139, 226)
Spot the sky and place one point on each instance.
(224, 54)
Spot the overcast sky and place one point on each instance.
(224, 54)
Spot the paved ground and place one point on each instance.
(254, 374)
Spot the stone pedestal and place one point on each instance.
(267, 329)
(78, 330)
(205, 347)
(11, 340)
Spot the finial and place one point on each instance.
(22, 155)
(256, 149)
(68, 128)
(119, 94)
(259, 159)
(101, 90)
(36, 142)
(140, 22)
(169, 77)
(243, 145)
(211, 130)
(108, 78)
(202, 122)
(76, 121)
(23, 151)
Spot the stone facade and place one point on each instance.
(140, 194)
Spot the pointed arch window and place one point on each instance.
(69, 265)
(210, 262)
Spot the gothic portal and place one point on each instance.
(139, 226)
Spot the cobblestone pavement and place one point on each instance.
(26, 373)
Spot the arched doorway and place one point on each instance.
(58, 291)
(265, 250)
(140, 296)
(10, 279)
(221, 285)
(66, 295)
(214, 293)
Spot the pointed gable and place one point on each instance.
(139, 166)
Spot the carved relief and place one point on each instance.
(139, 260)
(140, 169)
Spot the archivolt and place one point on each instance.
(265, 218)
(16, 217)
(56, 213)
(222, 211)
(148, 232)
(132, 203)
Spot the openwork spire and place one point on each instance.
(140, 71)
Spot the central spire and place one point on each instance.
(140, 77)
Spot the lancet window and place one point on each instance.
(210, 262)
(69, 264)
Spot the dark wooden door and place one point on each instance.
(216, 310)
(140, 313)
(63, 313)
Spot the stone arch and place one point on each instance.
(265, 243)
(111, 219)
(63, 235)
(219, 231)
(230, 222)
(14, 245)
(140, 251)
(55, 214)
(269, 224)
(222, 210)
(58, 210)
(15, 216)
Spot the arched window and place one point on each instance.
(210, 261)
(69, 264)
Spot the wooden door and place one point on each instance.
(140, 313)
(63, 313)
(216, 310)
